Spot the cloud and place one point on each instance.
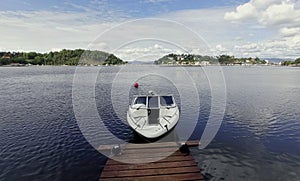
(244, 11)
(239, 39)
(288, 32)
(278, 18)
(44, 30)
(266, 12)
(155, 37)
(246, 49)
(144, 53)
(283, 48)
(220, 50)
(101, 10)
(197, 31)
(279, 14)
(207, 23)
(263, 4)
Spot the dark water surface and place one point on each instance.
(259, 138)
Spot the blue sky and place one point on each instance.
(132, 9)
(263, 28)
(145, 7)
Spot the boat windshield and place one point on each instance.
(140, 100)
(166, 101)
(153, 101)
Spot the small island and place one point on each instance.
(63, 57)
(199, 60)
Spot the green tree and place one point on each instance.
(226, 59)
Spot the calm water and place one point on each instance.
(259, 138)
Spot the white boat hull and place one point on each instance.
(152, 122)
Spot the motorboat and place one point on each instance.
(152, 116)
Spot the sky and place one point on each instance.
(148, 29)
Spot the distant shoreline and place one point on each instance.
(162, 65)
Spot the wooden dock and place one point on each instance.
(165, 161)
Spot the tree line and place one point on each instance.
(222, 59)
(291, 63)
(63, 57)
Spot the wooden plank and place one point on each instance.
(150, 165)
(149, 155)
(137, 154)
(144, 156)
(151, 145)
(149, 172)
(192, 143)
(149, 150)
(105, 147)
(145, 160)
(183, 176)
